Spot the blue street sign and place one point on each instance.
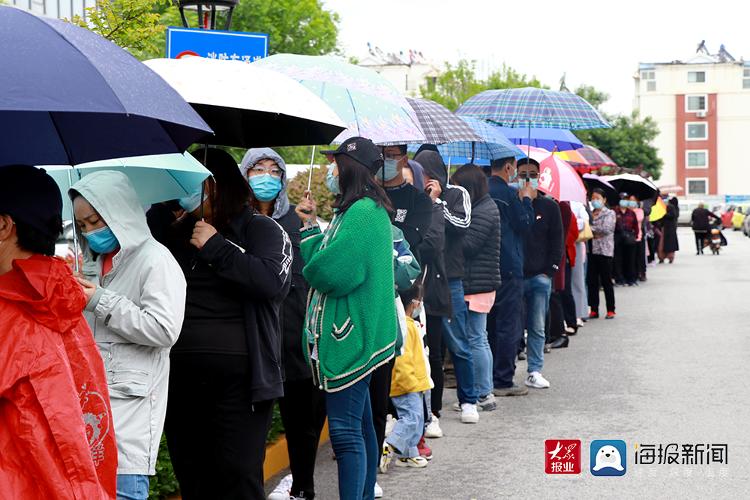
(227, 45)
(736, 198)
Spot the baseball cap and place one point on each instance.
(363, 151)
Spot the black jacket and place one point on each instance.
(544, 244)
(437, 297)
(482, 248)
(699, 219)
(262, 274)
(413, 214)
(295, 306)
(456, 211)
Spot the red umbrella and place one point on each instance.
(595, 157)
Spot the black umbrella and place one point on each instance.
(593, 181)
(633, 184)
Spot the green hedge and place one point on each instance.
(164, 483)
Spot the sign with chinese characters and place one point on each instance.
(213, 44)
(682, 454)
(562, 456)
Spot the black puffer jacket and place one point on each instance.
(482, 248)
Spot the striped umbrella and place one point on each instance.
(595, 157)
(533, 107)
(439, 124)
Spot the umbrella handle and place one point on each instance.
(309, 177)
(203, 186)
(76, 266)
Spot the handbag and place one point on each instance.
(586, 234)
(628, 237)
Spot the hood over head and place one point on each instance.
(253, 156)
(418, 171)
(113, 196)
(433, 165)
(44, 288)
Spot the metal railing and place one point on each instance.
(60, 9)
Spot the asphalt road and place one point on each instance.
(672, 368)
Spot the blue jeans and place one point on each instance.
(410, 424)
(505, 331)
(457, 340)
(353, 439)
(476, 327)
(132, 487)
(536, 291)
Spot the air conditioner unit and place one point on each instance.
(700, 114)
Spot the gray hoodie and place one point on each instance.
(136, 316)
(255, 155)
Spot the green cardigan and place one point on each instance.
(351, 321)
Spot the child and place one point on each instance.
(409, 381)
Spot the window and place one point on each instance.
(695, 103)
(696, 131)
(651, 86)
(696, 76)
(696, 158)
(697, 185)
(650, 78)
(746, 78)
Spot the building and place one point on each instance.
(61, 9)
(702, 107)
(408, 72)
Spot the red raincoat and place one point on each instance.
(57, 438)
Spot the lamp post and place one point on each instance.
(206, 11)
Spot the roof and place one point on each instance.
(701, 56)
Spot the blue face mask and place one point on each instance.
(389, 171)
(597, 204)
(265, 187)
(332, 181)
(535, 183)
(633, 204)
(101, 240)
(192, 202)
(624, 203)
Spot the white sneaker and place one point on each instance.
(415, 462)
(433, 429)
(536, 381)
(580, 323)
(281, 492)
(487, 403)
(378, 491)
(390, 423)
(469, 413)
(456, 406)
(386, 458)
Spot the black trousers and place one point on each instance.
(303, 412)
(380, 398)
(640, 258)
(555, 318)
(436, 346)
(568, 301)
(625, 270)
(215, 433)
(600, 274)
(700, 237)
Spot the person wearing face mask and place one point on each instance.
(640, 249)
(599, 271)
(543, 252)
(626, 243)
(136, 303)
(504, 323)
(265, 171)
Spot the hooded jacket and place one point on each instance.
(456, 210)
(482, 248)
(295, 305)
(136, 315)
(57, 437)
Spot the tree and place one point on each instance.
(594, 97)
(320, 192)
(458, 83)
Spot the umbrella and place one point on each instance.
(492, 146)
(547, 138)
(155, 178)
(594, 181)
(671, 188)
(248, 105)
(68, 96)
(369, 105)
(556, 177)
(595, 157)
(534, 107)
(573, 157)
(439, 124)
(641, 187)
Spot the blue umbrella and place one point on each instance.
(494, 145)
(68, 96)
(545, 138)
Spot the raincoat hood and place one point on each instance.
(253, 156)
(44, 288)
(113, 196)
(433, 166)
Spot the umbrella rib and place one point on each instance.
(62, 140)
(354, 108)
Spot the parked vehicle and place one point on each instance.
(746, 227)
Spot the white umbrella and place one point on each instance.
(249, 106)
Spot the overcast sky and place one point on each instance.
(599, 42)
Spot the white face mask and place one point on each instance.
(417, 312)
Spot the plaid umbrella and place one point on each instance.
(492, 145)
(439, 124)
(533, 107)
(595, 157)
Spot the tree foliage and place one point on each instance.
(459, 82)
(320, 192)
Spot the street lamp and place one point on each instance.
(207, 10)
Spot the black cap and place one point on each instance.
(363, 151)
(29, 195)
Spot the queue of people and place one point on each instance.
(208, 309)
